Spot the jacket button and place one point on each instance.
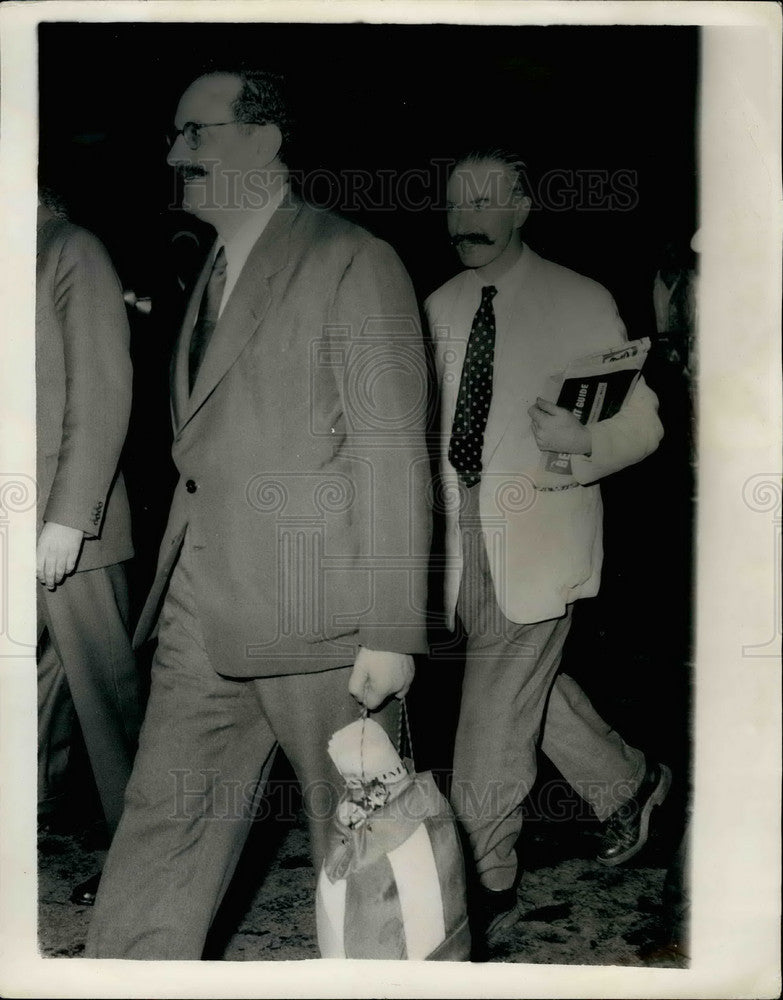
(190, 486)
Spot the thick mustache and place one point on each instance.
(480, 239)
(191, 173)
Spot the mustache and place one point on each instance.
(479, 239)
(191, 172)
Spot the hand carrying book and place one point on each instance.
(594, 388)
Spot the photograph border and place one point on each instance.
(736, 808)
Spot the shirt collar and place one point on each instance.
(511, 280)
(240, 244)
(238, 247)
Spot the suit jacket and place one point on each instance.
(303, 468)
(83, 391)
(544, 546)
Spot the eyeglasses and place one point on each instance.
(191, 132)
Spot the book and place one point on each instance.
(594, 388)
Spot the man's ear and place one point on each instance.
(522, 209)
(269, 141)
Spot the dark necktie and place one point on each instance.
(475, 393)
(207, 316)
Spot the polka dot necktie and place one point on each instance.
(207, 316)
(475, 393)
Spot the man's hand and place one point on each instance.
(378, 675)
(58, 553)
(557, 429)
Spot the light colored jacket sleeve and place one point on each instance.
(634, 432)
(622, 440)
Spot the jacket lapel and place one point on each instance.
(452, 358)
(179, 361)
(240, 318)
(512, 355)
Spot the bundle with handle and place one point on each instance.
(393, 884)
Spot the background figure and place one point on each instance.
(675, 288)
(674, 300)
(83, 390)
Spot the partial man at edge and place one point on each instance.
(83, 399)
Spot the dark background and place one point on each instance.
(384, 97)
(380, 97)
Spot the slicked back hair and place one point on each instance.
(508, 158)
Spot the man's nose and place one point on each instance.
(464, 223)
(178, 152)
(457, 222)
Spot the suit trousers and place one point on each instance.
(205, 754)
(514, 699)
(86, 662)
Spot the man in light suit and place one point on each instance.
(83, 398)
(520, 547)
(292, 575)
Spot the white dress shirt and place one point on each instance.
(544, 546)
(238, 247)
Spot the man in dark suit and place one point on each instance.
(292, 574)
(83, 387)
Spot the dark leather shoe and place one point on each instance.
(626, 830)
(493, 911)
(85, 892)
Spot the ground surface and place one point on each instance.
(574, 911)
